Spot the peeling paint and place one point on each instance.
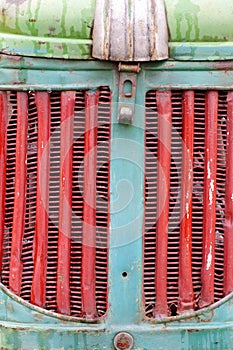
(209, 259)
(211, 192)
(208, 170)
(127, 31)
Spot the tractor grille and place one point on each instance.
(54, 199)
(188, 194)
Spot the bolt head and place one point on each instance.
(123, 341)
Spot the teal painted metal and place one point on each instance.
(24, 326)
(126, 217)
(215, 75)
(25, 73)
(199, 30)
(204, 51)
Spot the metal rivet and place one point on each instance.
(123, 341)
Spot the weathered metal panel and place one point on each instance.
(198, 29)
(130, 31)
(203, 21)
(24, 326)
(46, 28)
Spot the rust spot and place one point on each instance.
(224, 65)
(123, 341)
(32, 20)
(15, 59)
(193, 330)
(29, 64)
(41, 42)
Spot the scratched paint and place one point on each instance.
(211, 192)
(209, 259)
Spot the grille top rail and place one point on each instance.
(188, 193)
(54, 230)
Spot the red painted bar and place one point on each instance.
(164, 158)
(65, 205)
(209, 213)
(38, 292)
(185, 271)
(89, 207)
(228, 234)
(3, 137)
(20, 193)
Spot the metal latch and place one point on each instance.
(127, 92)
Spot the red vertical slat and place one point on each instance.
(65, 205)
(20, 193)
(185, 269)
(164, 157)
(228, 234)
(3, 133)
(89, 207)
(209, 210)
(38, 292)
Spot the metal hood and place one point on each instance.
(198, 29)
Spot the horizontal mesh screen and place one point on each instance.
(65, 208)
(172, 300)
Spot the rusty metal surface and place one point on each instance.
(163, 185)
(88, 279)
(130, 31)
(3, 156)
(38, 291)
(228, 246)
(65, 202)
(186, 296)
(209, 200)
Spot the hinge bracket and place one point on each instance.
(127, 92)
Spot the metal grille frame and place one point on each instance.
(52, 255)
(20, 74)
(186, 204)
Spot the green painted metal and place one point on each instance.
(200, 20)
(199, 29)
(47, 28)
(23, 326)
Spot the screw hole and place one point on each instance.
(127, 88)
(124, 274)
